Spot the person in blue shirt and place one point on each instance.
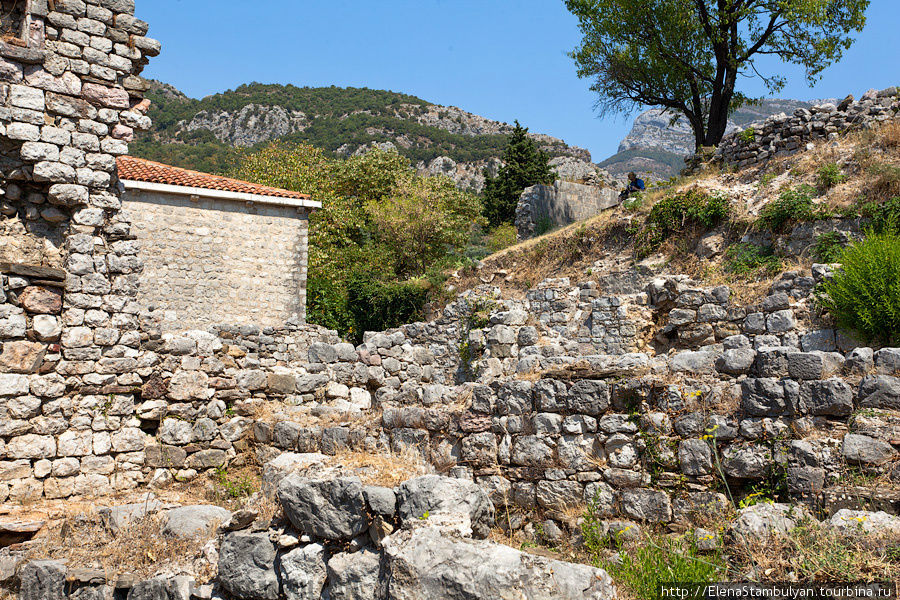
(635, 184)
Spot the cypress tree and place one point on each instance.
(524, 165)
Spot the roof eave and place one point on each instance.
(182, 190)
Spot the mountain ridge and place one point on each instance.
(211, 133)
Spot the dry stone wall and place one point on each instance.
(782, 135)
(211, 261)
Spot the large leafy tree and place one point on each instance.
(381, 228)
(686, 55)
(524, 165)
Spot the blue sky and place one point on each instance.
(503, 59)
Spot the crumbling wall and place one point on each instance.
(783, 135)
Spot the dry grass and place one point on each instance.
(388, 470)
(812, 552)
(889, 136)
(140, 548)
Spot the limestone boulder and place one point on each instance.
(247, 566)
(188, 522)
(333, 509)
(431, 495)
(425, 563)
(42, 580)
(303, 572)
(353, 576)
(41, 300)
(22, 357)
(864, 521)
(766, 519)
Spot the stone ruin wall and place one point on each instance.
(783, 135)
(70, 101)
(572, 394)
(560, 204)
(209, 261)
(547, 420)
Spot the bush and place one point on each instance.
(543, 225)
(665, 560)
(376, 305)
(502, 236)
(749, 261)
(634, 202)
(865, 294)
(885, 216)
(748, 135)
(792, 206)
(675, 213)
(828, 247)
(829, 176)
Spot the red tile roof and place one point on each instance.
(139, 169)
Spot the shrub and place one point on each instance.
(502, 236)
(634, 202)
(376, 305)
(829, 175)
(865, 294)
(657, 560)
(792, 206)
(675, 213)
(749, 261)
(885, 216)
(665, 560)
(828, 247)
(748, 135)
(543, 225)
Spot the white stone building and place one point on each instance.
(216, 250)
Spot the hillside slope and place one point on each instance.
(208, 134)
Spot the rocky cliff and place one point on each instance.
(205, 134)
(658, 144)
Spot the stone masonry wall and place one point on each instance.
(562, 203)
(214, 261)
(782, 135)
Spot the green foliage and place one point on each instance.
(235, 486)
(748, 135)
(376, 305)
(502, 236)
(210, 157)
(381, 232)
(524, 166)
(749, 261)
(884, 216)
(687, 57)
(673, 214)
(544, 225)
(792, 206)
(829, 175)
(634, 202)
(656, 560)
(828, 247)
(864, 295)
